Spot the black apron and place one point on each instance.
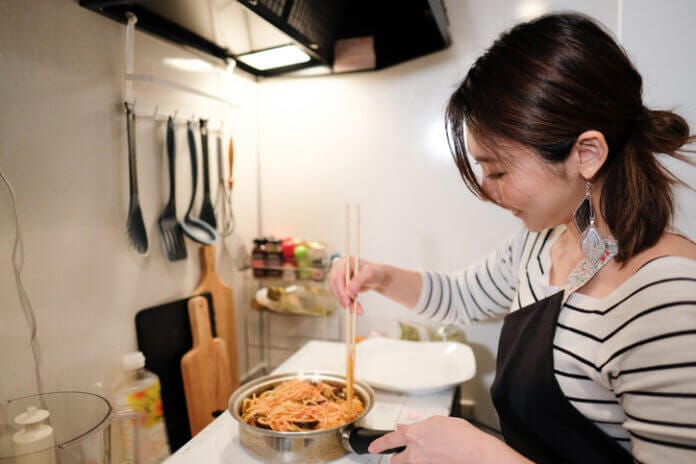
(536, 418)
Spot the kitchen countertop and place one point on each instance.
(219, 441)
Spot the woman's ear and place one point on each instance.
(589, 153)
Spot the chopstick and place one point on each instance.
(351, 316)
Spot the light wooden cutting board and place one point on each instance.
(205, 369)
(223, 307)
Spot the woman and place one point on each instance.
(596, 361)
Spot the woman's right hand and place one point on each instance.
(370, 276)
(440, 439)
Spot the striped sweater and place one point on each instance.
(626, 361)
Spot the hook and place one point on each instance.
(154, 116)
(130, 51)
(132, 18)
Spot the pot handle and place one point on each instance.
(358, 439)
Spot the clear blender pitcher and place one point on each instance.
(79, 423)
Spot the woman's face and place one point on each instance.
(538, 193)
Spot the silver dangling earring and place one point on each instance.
(584, 219)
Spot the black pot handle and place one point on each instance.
(357, 440)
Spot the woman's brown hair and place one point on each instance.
(545, 82)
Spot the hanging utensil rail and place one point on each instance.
(131, 76)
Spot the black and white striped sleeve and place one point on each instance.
(650, 364)
(481, 291)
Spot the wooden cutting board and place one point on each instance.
(205, 370)
(223, 307)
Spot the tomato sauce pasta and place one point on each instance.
(300, 406)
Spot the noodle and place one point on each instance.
(300, 406)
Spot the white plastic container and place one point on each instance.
(34, 443)
(140, 391)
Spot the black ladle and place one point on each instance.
(195, 229)
(135, 224)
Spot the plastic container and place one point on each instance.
(304, 271)
(72, 428)
(139, 391)
(288, 246)
(33, 444)
(289, 264)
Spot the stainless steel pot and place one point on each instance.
(316, 446)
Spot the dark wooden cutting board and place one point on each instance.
(164, 336)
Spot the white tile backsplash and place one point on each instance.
(63, 148)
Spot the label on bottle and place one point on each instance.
(153, 446)
(149, 403)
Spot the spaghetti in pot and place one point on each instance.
(300, 406)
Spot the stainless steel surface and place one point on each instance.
(233, 242)
(316, 446)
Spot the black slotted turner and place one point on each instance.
(207, 212)
(171, 233)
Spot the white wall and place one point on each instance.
(658, 37)
(378, 139)
(63, 147)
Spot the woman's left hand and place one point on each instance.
(440, 440)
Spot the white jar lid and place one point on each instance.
(32, 416)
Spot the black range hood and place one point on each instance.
(340, 35)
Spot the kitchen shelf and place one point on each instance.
(280, 282)
(321, 271)
(296, 329)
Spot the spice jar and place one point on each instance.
(317, 255)
(258, 257)
(289, 266)
(274, 258)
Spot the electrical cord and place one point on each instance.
(17, 264)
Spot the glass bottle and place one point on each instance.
(258, 258)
